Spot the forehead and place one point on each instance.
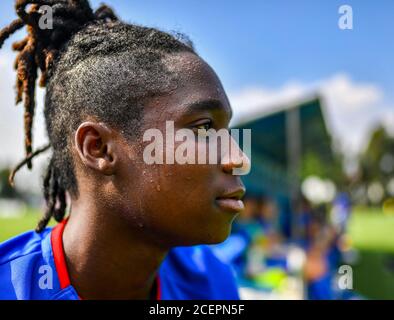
(196, 83)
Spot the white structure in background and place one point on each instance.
(318, 190)
(375, 192)
(12, 208)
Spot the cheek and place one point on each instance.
(181, 187)
(180, 205)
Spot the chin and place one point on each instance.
(209, 232)
(218, 235)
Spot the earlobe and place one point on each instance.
(94, 144)
(105, 167)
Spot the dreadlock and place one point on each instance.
(86, 62)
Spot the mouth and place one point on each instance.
(231, 201)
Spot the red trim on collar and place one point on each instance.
(60, 260)
(58, 254)
(158, 288)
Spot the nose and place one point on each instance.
(234, 160)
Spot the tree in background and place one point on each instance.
(376, 176)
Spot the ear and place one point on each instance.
(96, 147)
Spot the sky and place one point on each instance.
(267, 53)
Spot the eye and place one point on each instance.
(204, 126)
(201, 129)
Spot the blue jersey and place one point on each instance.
(32, 266)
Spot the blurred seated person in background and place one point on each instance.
(303, 218)
(323, 256)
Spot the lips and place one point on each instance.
(231, 201)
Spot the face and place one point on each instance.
(182, 204)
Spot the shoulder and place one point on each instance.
(21, 245)
(19, 259)
(196, 273)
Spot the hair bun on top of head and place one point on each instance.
(39, 49)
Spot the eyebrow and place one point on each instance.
(207, 105)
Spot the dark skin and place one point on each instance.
(129, 214)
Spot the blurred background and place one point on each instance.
(320, 103)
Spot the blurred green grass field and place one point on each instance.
(11, 226)
(370, 229)
(371, 233)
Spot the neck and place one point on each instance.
(106, 258)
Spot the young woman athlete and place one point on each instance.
(127, 229)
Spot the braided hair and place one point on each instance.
(87, 62)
